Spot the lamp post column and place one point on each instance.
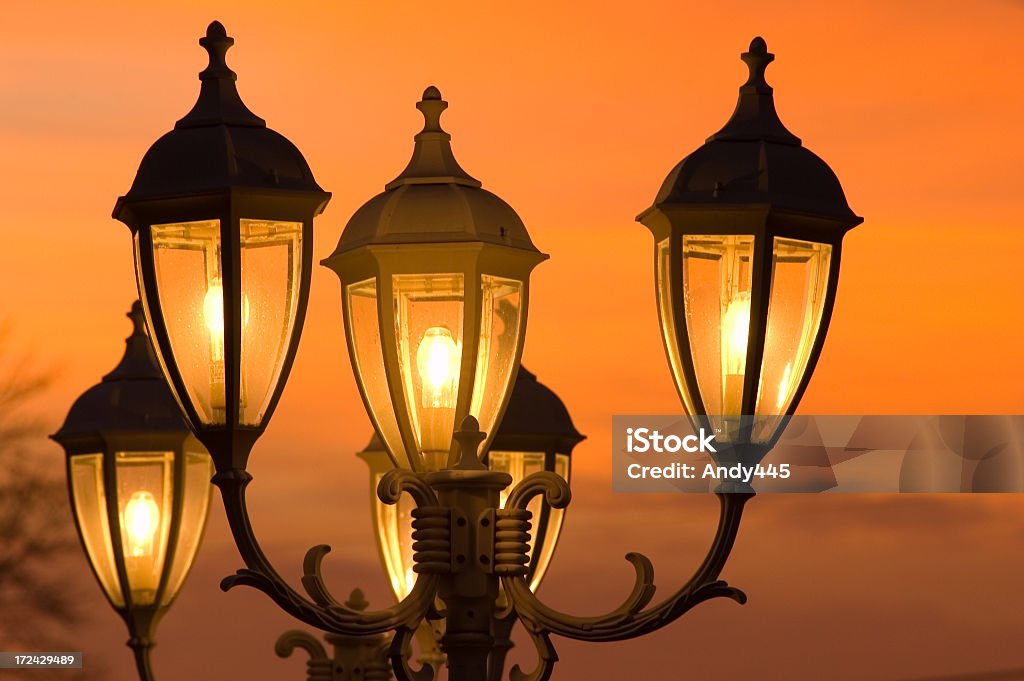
(468, 494)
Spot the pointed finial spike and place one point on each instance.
(357, 601)
(138, 317)
(216, 30)
(469, 437)
(432, 106)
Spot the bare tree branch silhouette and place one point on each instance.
(40, 578)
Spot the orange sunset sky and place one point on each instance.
(573, 113)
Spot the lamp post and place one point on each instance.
(139, 486)
(536, 434)
(435, 283)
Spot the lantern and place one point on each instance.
(435, 284)
(221, 212)
(535, 434)
(748, 232)
(139, 486)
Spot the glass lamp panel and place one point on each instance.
(520, 465)
(717, 272)
(188, 278)
(553, 530)
(394, 537)
(145, 498)
(364, 334)
(194, 509)
(500, 330)
(666, 316)
(271, 257)
(428, 325)
(799, 286)
(89, 499)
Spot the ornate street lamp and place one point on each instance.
(139, 486)
(535, 434)
(748, 232)
(435, 283)
(221, 212)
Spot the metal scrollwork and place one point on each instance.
(630, 619)
(321, 609)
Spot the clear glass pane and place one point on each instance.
(799, 284)
(428, 324)
(500, 329)
(187, 261)
(90, 503)
(368, 357)
(195, 506)
(144, 503)
(271, 254)
(394, 534)
(520, 465)
(555, 518)
(716, 296)
(666, 316)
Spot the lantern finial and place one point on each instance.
(139, 360)
(755, 118)
(219, 102)
(433, 161)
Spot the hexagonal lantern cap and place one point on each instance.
(434, 199)
(219, 145)
(132, 398)
(754, 159)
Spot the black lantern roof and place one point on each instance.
(219, 145)
(755, 160)
(535, 418)
(131, 399)
(434, 199)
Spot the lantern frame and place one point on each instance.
(433, 219)
(752, 178)
(132, 410)
(221, 163)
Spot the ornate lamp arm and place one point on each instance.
(630, 619)
(321, 609)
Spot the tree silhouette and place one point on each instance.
(38, 592)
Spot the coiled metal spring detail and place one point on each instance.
(432, 544)
(512, 541)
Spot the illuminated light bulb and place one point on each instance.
(735, 331)
(438, 362)
(784, 386)
(438, 359)
(141, 519)
(213, 316)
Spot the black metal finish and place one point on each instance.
(465, 547)
(131, 409)
(221, 162)
(754, 178)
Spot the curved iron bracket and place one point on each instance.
(321, 609)
(630, 619)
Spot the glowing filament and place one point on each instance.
(438, 360)
(141, 520)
